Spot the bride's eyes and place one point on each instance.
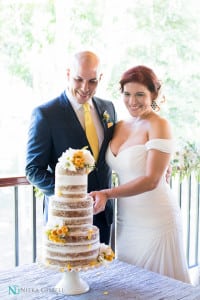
(138, 95)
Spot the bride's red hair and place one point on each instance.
(142, 75)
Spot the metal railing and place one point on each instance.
(188, 192)
(189, 200)
(15, 183)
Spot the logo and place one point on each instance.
(14, 290)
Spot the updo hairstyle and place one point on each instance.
(145, 76)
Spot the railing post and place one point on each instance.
(34, 225)
(188, 218)
(180, 192)
(16, 222)
(197, 244)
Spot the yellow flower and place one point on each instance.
(109, 257)
(106, 116)
(78, 160)
(90, 232)
(62, 241)
(53, 233)
(47, 262)
(58, 234)
(106, 253)
(74, 160)
(59, 231)
(51, 238)
(59, 193)
(93, 263)
(64, 229)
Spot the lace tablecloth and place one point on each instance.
(117, 281)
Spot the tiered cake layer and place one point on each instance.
(70, 238)
(77, 247)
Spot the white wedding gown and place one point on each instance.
(149, 229)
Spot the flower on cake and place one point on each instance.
(105, 253)
(74, 160)
(57, 234)
(90, 233)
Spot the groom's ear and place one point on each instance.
(100, 76)
(68, 73)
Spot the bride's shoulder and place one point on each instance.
(157, 119)
(160, 127)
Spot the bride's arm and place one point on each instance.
(157, 163)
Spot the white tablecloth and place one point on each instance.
(117, 281)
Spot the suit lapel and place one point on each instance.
(101, 108)
(100, 111)
(74, 124)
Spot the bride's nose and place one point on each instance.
(132, 99)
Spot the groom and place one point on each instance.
(59, 124)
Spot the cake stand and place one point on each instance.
(72, 284)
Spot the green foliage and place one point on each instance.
(19, 34)
(186, 160)
(162, 34)
(38, 193)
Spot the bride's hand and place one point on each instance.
(168, 174)
(100, 200)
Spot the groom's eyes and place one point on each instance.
(80, 80)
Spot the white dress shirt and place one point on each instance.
(78, 109)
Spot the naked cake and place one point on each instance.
(70, 239)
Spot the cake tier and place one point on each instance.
(70, 211)
(75, 203)
(71, 247)
(72, 234)
(70, 184)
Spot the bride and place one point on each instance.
(149, 229)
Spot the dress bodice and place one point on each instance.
(131, 162)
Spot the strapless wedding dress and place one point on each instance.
(149, 229)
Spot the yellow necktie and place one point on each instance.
(91, 130)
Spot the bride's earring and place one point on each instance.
(154, 105)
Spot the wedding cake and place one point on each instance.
(70, 239)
